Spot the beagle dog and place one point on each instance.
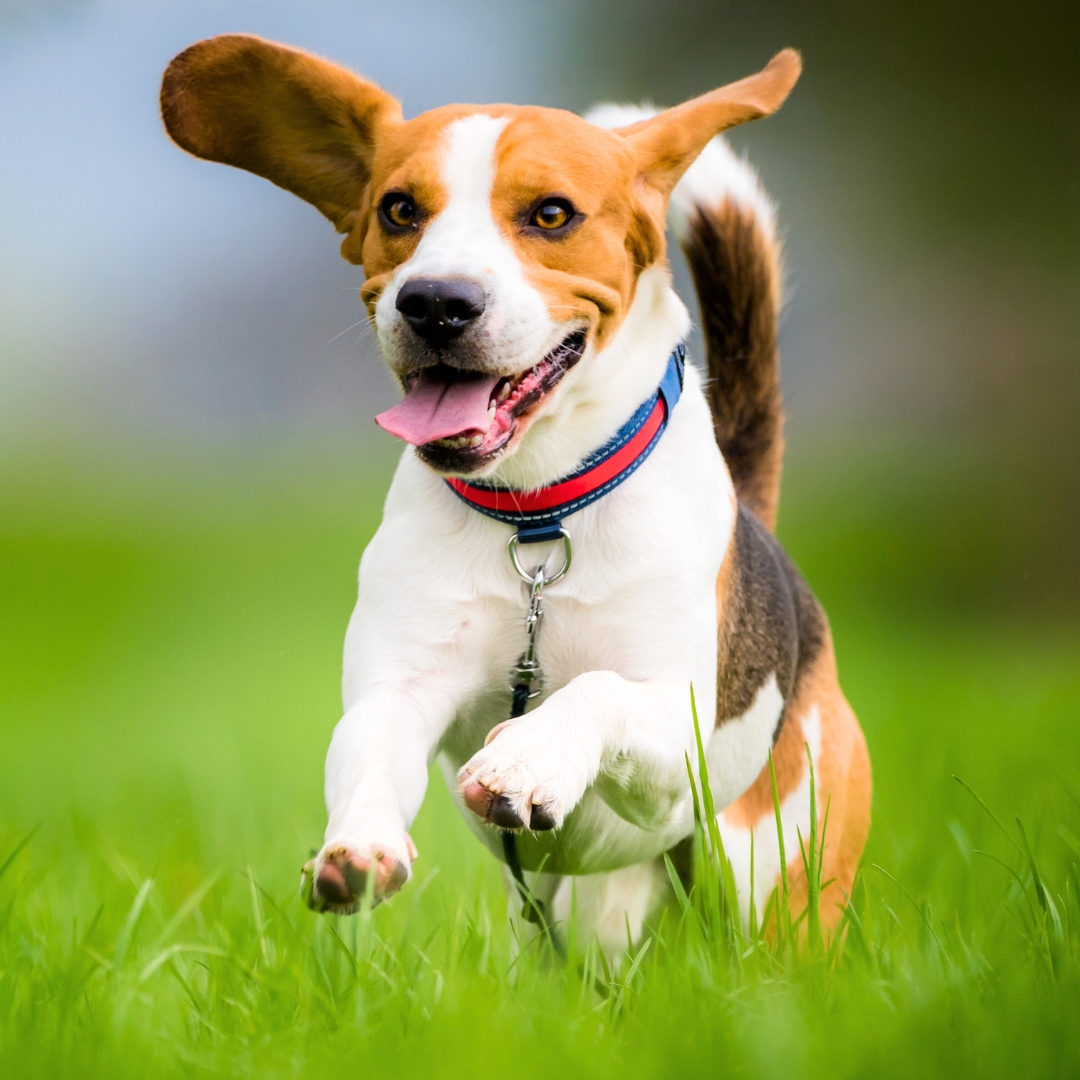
(517, 278)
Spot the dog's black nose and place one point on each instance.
(440, 309)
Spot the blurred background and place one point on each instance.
(927, 171)
(189, 468)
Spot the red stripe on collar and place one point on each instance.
(529, 502)
(537, 515)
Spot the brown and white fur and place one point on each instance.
(676, 579)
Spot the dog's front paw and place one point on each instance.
(337, 878)
(520, 779)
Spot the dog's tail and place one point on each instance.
(727, 228)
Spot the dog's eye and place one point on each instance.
(398, 210)
(552, 215)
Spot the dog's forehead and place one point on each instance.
(550, 151)
(542, 149)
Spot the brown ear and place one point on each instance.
(666, 145)
(304, 123)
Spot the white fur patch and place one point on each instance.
(464, 241)
(610, 115)
(794, 819)
(717, 174)
(739, 749)
(609, 905)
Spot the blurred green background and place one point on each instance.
(189, 471)
(927, 171)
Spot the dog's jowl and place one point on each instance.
(516, 274)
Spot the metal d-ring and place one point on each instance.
(530, 578)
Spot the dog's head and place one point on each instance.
(502, 244)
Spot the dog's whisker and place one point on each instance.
(359, 322)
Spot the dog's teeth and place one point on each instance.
(504, 390)
(491, 412)
(476, 440)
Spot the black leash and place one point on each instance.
(527, 682)
(534, 909)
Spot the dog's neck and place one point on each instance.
(603, 390)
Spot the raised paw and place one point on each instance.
(500, 810)
(513, 784)
(336, 879)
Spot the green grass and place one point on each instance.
(170, 642)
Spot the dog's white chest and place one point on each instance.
(440, 602)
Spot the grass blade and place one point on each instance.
(193, 900)
(813, 869)
(123, 940)
(676, 884)
(917, 907)
(175, 950)
(978, 798)
(18, 847)
(783, 907)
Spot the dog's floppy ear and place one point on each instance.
(666, 145)
(304, 123)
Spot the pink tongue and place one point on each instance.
(441, 404)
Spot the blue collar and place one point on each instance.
(537, 514)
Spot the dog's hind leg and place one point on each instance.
(820, 720)
(611, 908)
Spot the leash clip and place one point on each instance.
(526, 676)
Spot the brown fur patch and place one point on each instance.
(667, 144)
(725, 578)
(758, 631)
(588, 273)
(769, 622)
(307, 125)
(736, 274)
(845, 785)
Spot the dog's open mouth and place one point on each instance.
(460, 419)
